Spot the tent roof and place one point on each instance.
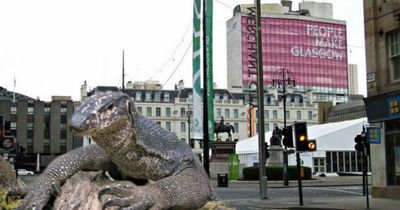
(330, 136)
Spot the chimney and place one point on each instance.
(287, 3)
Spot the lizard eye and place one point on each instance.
(110, 107)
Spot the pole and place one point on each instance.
(189, 113)
(260, 91)
(299, 179)
(123, 70)
(206, 136)
(366, 177)
(285, 155)
(365, 166)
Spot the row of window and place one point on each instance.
(299, 116)
(227, 113)
(183, 126)
(339, 161)
(31, 110)
(148, 96)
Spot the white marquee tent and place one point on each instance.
(338, 136)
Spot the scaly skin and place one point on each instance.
(140, 148)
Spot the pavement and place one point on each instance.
(348, 202)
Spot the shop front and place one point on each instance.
(384, 111)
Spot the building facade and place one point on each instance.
(353, 79)
(172, 110)
(382, 35)
(312, 48)
(39, 127)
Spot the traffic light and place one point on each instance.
(359, 143)
(287, 133)
(301, 137)
(312, 145)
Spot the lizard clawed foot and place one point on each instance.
(126, 197)
(120, 190)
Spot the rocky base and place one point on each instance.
(81, 190)
(7, 175)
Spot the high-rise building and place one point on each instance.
(353, 79)
(311, 47)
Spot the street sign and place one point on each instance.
(374, 135)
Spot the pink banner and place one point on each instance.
(314, 52)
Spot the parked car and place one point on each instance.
(24, 172)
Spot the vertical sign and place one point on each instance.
(374, 135)
(197, 113)
(209, 61)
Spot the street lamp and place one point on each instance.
(282, 80)
(189, 114)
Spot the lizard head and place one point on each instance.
(101, 112)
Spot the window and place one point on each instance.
(46, 110)
(227, 113)
(183, 112)
(13, 110)
(29, 134)
(309, 115)
(236, 127)
(168, 126)
(299, 115)
(266, 114)
(63, 119)
(148, 96)
(183, 127)
(63, 110)
(219, 113)
(159, 123)
(168, 112)
(157, 96)
(63, 146)
(166, 97)
(394, 42)
(158, 111)
(139, 109)
(30, 126)
(148, 111)
(13, 126)
(266, 127)
(287, 114)
(138, 96)
(275, 114)
(63, 134)
(236, 113)
(319, 164)
(30, 110)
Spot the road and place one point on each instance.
(277, 194)
(320, 192)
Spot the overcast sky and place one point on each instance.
(51, 47)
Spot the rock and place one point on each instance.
(80, 193)
(7, 174)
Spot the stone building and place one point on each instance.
(382, 37)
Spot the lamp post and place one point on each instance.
(282, 81)
(189, 114)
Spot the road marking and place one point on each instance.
(337, 190)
